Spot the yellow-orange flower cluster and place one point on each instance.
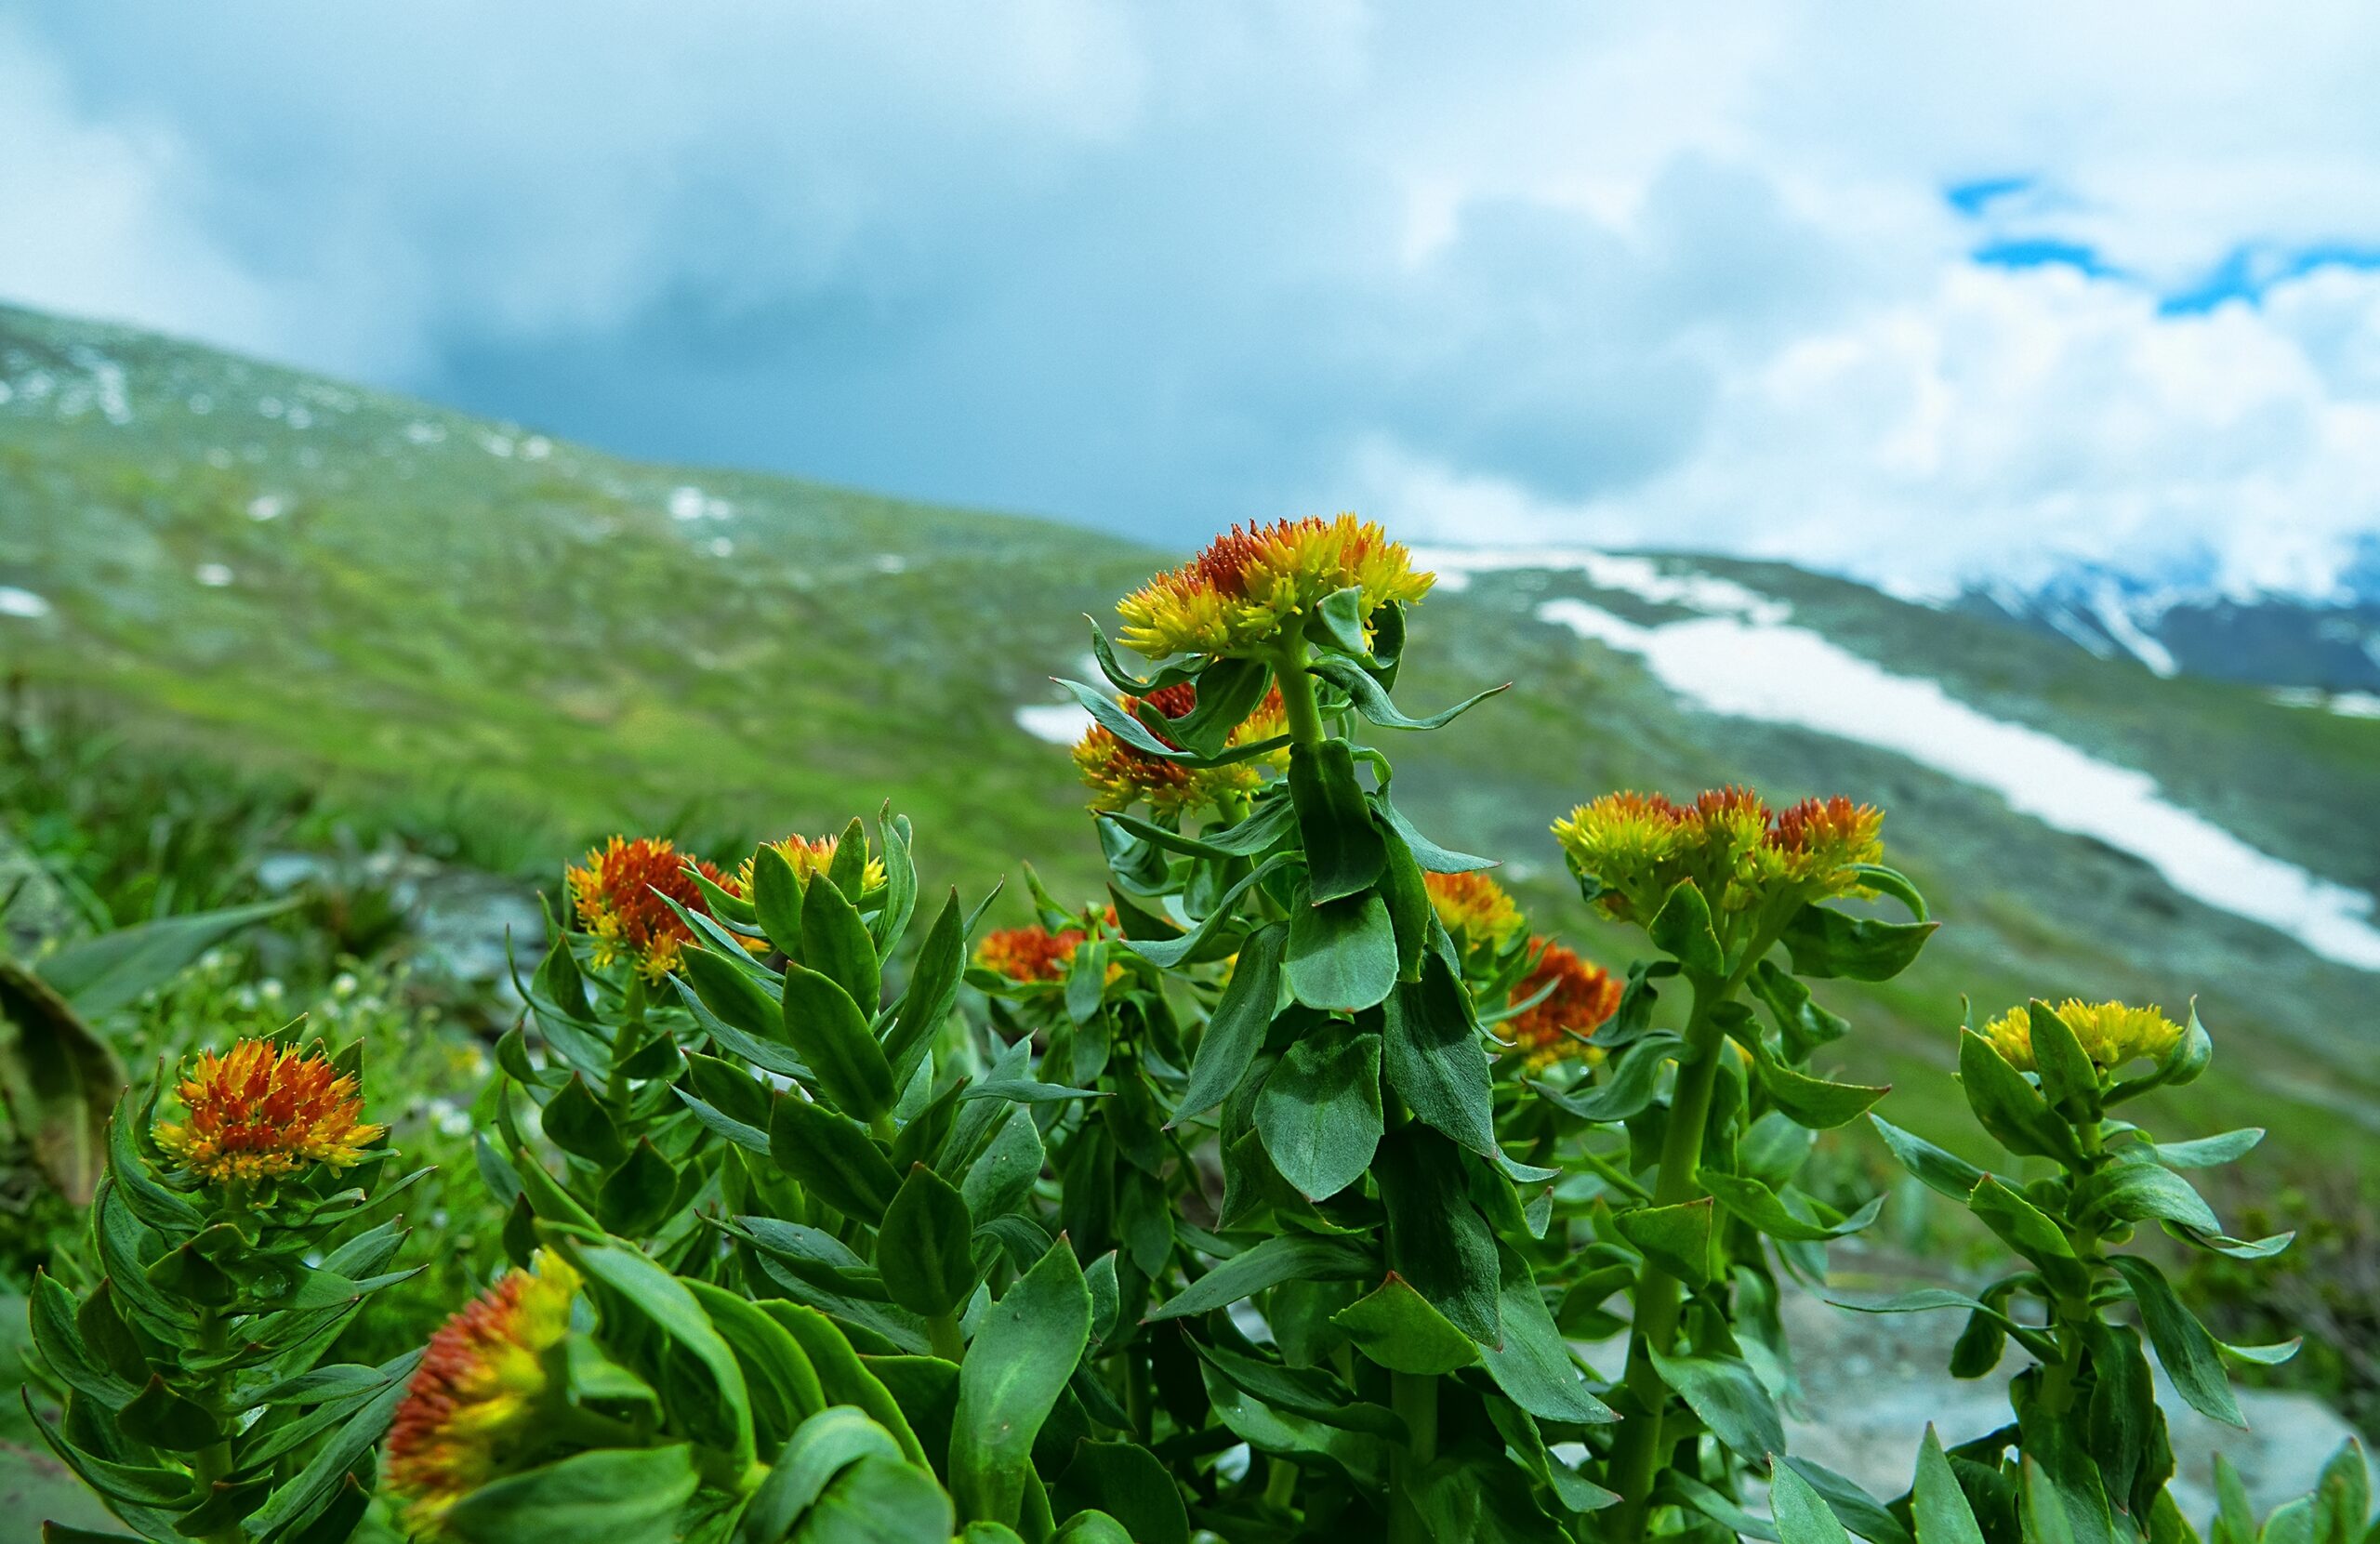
(1032, 953)
(2111, 1033)
(1249, 584)
(808, 855)
(1583, 996)
(472, 1411)
(261, 1111)
(1120, 775)
(1476, 909)
(1637, 846)
(614, 893)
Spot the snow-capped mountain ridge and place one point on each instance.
(2186, 621)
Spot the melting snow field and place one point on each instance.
(1766, 670)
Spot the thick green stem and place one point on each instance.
(1280, 1484)
(1298, 704)
(2071, 1314)
(1637, 1451)
(1414, 1396)
(1136, 1395)
(949, 1342)
(625, 1041)
(213, 1462)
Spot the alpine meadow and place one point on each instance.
(546, 994)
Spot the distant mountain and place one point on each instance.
(2183, 624)
(477, 628)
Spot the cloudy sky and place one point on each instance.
(1919, 293)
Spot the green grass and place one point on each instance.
(504, 655)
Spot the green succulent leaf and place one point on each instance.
(1802, 1516)
(1764, 1209)
(1941, 1171)
(1236, 1030)
(1129, 1484)
(2191, 1356)
(1937, 1504)
(1341, 954)
(1372, 701)
(834, 1156)
(925, 1245)
(1534, 1366)
(1437, 1240)
(836, 944)
(1396, 1326)
(830, 1033)
(1284, 1258)
(1320, 1111)
(2032, 1233)
(1434, 1058)
(1814, 1102)
(1825, 943)
(2069, 1081)
(1167, 953)
(1025, 1351)
(2008, 1107)
(621, 1496)
(1724, 1391)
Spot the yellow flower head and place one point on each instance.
(2110, 1034)
(808, 855)
(1630, 842)
(261, 1110)
(1728, 841)
(614, 893)
(1120, 775)
(1249, 582)
(1583, 996)
(1817, 840)
(473, 1412)
(1476, 909)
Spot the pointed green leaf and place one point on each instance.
(828, 1031)
(1319, 1111)
(1024, 1353)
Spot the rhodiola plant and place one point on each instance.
(1266, 1198)
(2087, 1451)
(234, 1241)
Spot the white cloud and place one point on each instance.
(1681, 273)
(92, 217)
(1999, 423)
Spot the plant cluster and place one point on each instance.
(1266, 1199)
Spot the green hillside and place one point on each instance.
(450, 623)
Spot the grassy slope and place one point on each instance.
(441, 624)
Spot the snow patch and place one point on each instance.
(421, 433)
(22, 602)
(214, 576)
(890, 562)
(2107, 608)
(691, 502)
(265, 506)
(1777, 674)
(1059, 723)
(1631, 574)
